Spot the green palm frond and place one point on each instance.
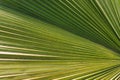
(59, 39)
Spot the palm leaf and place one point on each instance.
(59, 39)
